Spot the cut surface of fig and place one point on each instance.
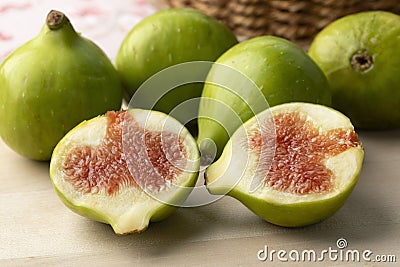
(298, 165)
(103, 168)
(125, 168)
(306, 158)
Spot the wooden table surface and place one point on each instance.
(37, 229)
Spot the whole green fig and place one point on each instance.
(162, 40)
(280, 70)
(360, 56)
(52, 83)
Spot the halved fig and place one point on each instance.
(294, 164)
(126, 168)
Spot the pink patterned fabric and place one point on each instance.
(104, 22)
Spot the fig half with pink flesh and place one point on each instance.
(294, 164)
(126, 168)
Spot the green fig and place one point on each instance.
(294, 164)
(279, 69)
(52, 83)
(126, 168)
(360, 56)
(164, 39)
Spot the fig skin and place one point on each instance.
(231, 175)
(136, 226)
(281, 70)
(164, 39)
(360, 56)
(292, 215)
(52, 83)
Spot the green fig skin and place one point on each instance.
(280, 69)
(160, 214)
(370, 97)
(49, 85)
(292, 215)
(167, 38)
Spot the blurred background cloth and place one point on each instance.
(104, 22)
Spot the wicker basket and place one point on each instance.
(296, 20)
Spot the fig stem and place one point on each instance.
(362, 61)
(56, 19)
